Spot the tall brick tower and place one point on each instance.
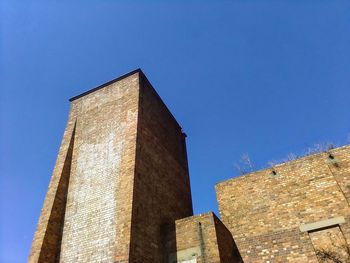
(121, 175)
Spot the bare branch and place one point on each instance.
(244, 165)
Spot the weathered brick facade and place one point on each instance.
(120, 189)
(289, 212)
(120, 192)
(95, 220)
(120, 179)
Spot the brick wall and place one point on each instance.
(120, 175)
(227, 247)
(202, 239)
(162, 188)
(121, 181)
(47, 240)
(329, 244)
(98, 211)
(264, 210)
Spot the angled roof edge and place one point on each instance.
(142, 76)
(149, 84)
(107, 83)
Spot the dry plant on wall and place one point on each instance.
(319, 147)
(316, 148)
(244, 165)
(328, 256)
(331, 256)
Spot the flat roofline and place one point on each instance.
(142, 76)
(285, 163)
(107, 83)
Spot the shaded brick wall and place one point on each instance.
(162, 188)
(264, 211)
(47, 241)
(227, 247)
(202, 239)
(48, 235)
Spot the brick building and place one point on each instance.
(291, 211)
(120, 184)
(120, 192)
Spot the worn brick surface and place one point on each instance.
(264, 210)
(98, 211)
(121, 173)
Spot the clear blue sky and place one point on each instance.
(259, 77)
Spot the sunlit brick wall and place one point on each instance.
(264, 210)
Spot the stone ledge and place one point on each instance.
(321, 224)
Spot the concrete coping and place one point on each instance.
(322, 224)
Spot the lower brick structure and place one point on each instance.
(291, 211)
(202, 239)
